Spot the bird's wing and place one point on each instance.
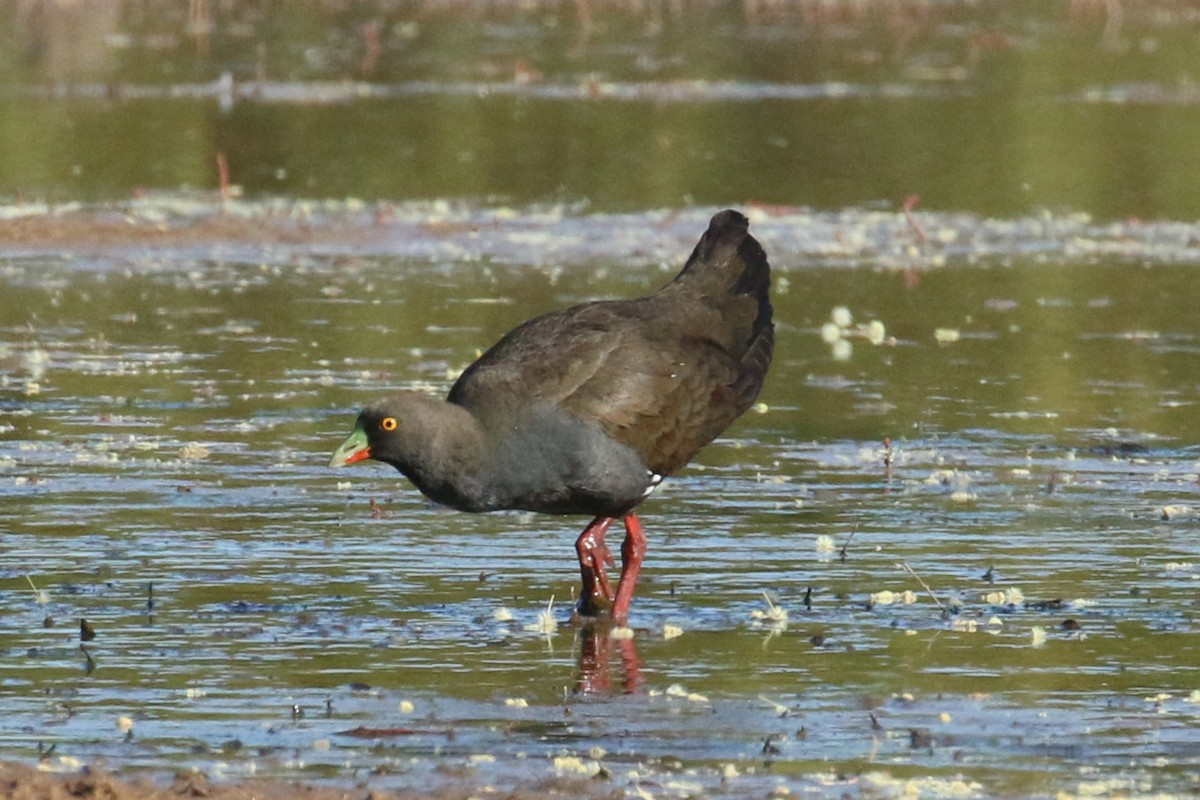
(660, 386)
(664, 374)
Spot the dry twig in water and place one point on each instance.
(921, 581)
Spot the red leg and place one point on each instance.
(593, 554)
(632, 550)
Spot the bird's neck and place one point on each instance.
(445, 455)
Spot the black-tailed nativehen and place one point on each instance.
(586, 410)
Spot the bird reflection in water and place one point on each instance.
(605, 659)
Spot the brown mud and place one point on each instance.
(22, 782)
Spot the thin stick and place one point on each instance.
(846, 544)
(907, 207)
(923, 583)
(40, 595)
(223, 185)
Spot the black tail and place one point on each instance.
(727, 269)
(727, 259)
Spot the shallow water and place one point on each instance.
(167, 417)
(998, 109)
(1000, 602)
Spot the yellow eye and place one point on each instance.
(389, 424)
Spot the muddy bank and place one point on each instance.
(158, 227)
(22, 782)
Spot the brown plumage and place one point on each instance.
(585, 410)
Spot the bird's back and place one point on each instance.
(663, 374)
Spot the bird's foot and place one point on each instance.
(596, 595)
(590, 611)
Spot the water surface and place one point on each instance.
(952, 553)
(1013, 613)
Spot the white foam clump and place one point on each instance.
(951, 478)
(887, 597)
(1173, 512)
(947, 335)
(60, 764)
(1008, 597)
(875, 332)
(574, 765)
(545, 622)
(831, 332)
(774, 614)
(35, 362)
(883, 784)
(678, 690)
(193, 451)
